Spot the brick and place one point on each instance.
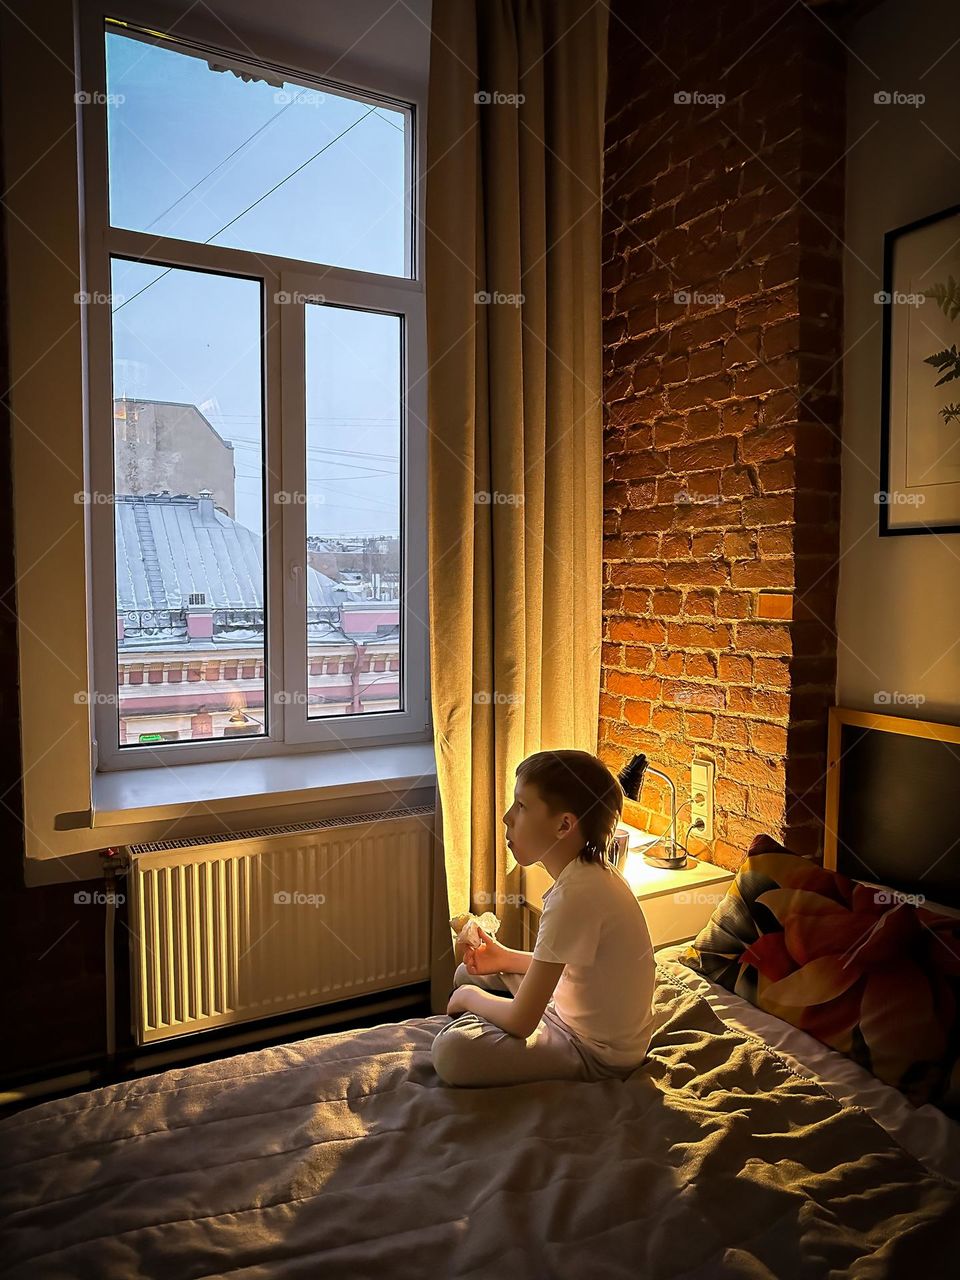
(703, 455)
(609, 707)
(666, 720)
(766, 511)
(667, 603)
(739, 416)
(706, 545)
(697, 574)
(766, 806)
(776, 542)
(730, 796)
(699, 724)
(709, 515)
(772, 671)
(635, 657)
(643, 630)
(629, 685)
(740, 545)
(675, 546)
(772, 605)
(700, 604)
(737, 482)
(732, 667)
(669, 664)
(765, 445)
(733, 604)
(690, 395)
(700, 664)
(762, 573)
(699, 635)
(778, 477)
(763, 638)
(647, 575)
(732, 731)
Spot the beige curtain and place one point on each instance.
(512, 242)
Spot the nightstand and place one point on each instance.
(676, 904)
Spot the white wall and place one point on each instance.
(898, 613)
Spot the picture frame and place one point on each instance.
(920, 399)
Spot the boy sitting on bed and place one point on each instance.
(581, 1006)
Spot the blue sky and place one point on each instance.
(189, 150)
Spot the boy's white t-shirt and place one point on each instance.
(593, 923)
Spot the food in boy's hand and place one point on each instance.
(467, 928)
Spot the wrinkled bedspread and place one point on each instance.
(344, 1156)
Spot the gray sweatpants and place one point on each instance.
(469, 1050)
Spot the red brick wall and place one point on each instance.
(722, 412)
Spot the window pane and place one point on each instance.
(267, 165)
(353, 398)
(188, 468)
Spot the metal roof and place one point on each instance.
(171, 547)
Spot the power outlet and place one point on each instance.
(701, 796)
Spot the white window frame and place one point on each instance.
(289, 729)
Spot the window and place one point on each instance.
(256, 406)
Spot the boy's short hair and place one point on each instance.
(580, 783)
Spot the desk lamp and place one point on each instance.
(631, 778)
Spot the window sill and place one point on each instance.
(136, 796)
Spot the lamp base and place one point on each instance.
(666, 863)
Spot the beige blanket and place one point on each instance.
(344, 1156)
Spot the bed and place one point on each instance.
(742, 1148)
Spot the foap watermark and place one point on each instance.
(894, 498)
(706, 695)
(94, 498)
(896, 698)
(302, 97)
(485, 698)
(498, 299)
(99, 99)
(97, 299)
(291, 698)
(494, 98)
(699, 897)
(883, 298)
(496, 499)
(896, 98)
(501, 899)
(293, 297)
(291, 498)
(696, 98)
(684, 498)
(694, 298)
(93, 698)
(893, 897)
(297, 898)
(98, 898)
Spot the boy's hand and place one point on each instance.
(457, 1003)
(487, 958)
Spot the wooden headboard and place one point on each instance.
(893, 803)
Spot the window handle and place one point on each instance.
(296, 574)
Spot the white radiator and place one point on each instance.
(236, 928)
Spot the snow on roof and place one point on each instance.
(171, 547)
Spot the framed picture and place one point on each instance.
(920, 409)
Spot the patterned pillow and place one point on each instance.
(866, 971)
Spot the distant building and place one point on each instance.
(190, 627)
(166, 446)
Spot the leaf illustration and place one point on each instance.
(946, 296)
(946, 362)
(951, 413)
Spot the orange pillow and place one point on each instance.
(872, 973)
